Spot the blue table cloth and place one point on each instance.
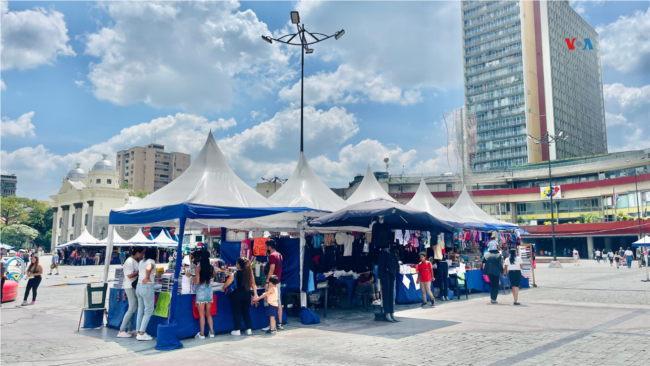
(408, 295)
(475, 281)
(187, 325)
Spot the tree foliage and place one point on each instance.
(29, 213)
(16, 235)
(141, 193)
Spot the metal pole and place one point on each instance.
(638, 204)
(302, 92)
(550, 182)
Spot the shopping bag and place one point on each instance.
(486, 278)
(162, 307)
(213, 309)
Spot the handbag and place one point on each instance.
(486, 278)
(232, 287)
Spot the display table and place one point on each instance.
(187, 325)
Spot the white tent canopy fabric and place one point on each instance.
(164, 241)
(305, 189)
(85, 239)
(424, 201)
(369, 189)
(117, 240)
(140, 239)
(644, 241)
(465, 207)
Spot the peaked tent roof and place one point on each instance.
(117, 239)
(164, 240)
(84, 239)
(208, 189)
(424, 201)
(642, 242)
(305, 189)
(466, 207)
(140, 239)
(369, 189)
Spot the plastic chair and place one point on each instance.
(94, 299)
(461, 282)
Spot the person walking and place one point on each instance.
(204, 273)
(55, 263)
(610, 256)
(425, 276)
(34, 272)
(597, 255)
(513, 266)
(275, 269)
(122, 257)
(98, 257)
(492, 267)
(41, 253)
(145, 292)
(243, 282)
(131, 271)
(576, 257)
(617, 259)
(629, 256)
(639, 257)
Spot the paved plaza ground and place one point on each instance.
(594, 314)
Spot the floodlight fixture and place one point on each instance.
(295, 17)
(309, 50)
(339, 34)
(268, 39)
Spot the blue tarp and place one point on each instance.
(193, 211)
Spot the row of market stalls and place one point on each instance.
(210, 195)
(163, 240)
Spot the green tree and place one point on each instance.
(589, 218)
(521, 221)
(16, 235)
(16, 209)
(125, 185)
(141, 193)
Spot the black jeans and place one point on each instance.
(240, 302)
(388, 292)
(32, 284)
(443, 273)
(494, 287)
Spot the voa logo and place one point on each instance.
(572, 43)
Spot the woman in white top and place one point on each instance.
(145, 292)
(629, 255)
(513, 266)
(576, 257)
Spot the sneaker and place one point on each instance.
(280, 327)
(133, 332)
(123, 334)
(376, 302)
(211, 335)
(143, 337)
(266, 329)
(25, 303)
(199, 336)
(249, 332)
(32, 303)
(271, 331)
(235, 333)
(517, 303)
(493, 302)
(424, 305)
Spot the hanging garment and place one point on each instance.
(369, 237)
(341, 238)
(318, 241)
(245, 250)
(399, 236)
(259, 247)
(328, 239)
(381, 236)
(407, 236)
(347, 245)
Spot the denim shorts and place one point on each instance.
(203, 294)
(271, 310)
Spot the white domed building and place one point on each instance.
(85, 201)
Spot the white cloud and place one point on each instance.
(628, 116)
(347, 85)
(32, 37)
(192, 55)
(407, 43)
(22, 127)
(2, 85)
(625, 43)
(79, 83)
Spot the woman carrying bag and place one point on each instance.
(239, 287)
(204, 273)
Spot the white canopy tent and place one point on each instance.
(466, 208)
(117, 240)
(424, 201)
(642, 242)
(85, 239)
(369, 189)
(164, 241)
(139, 239)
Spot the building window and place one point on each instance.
(109, 181)
(86, 220)
(99, 181)
(179, 170)
(71, 237)
(58, 240)
(73, 217)
(60, 224)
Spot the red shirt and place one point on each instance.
(424, 269)
(274, 258)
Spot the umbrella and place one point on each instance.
(7, 247)
(395, 214)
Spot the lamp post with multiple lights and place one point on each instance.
(304, 43)
(547, 139)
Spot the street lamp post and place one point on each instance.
(304, 44)
(548, 138)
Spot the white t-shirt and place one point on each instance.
(347, 246)
(513, 267)
(130, 266)
(610, 254)
(598, 253)
(628, 253)
(142, 270)
(576, 255)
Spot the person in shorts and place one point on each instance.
(275, 269)
(271, 295)
(610, 255)
(55, 263)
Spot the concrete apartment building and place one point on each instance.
(521, 77)
(9, 183)
(150, 168)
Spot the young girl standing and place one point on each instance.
(34, 272)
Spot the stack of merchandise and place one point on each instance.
(118, 282)
(167, 282)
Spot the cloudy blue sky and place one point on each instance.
(84, 78)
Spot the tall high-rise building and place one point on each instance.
(9, 183)
(531, 67)
(150, 168)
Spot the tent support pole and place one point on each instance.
(109, 252)
(303, 294)
(177, 271)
